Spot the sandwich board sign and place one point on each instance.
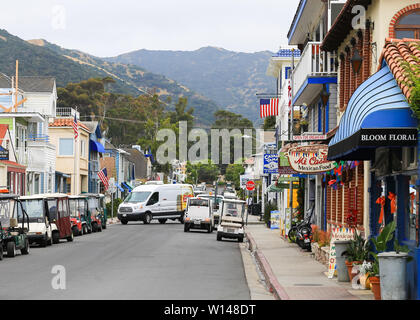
(337, 234)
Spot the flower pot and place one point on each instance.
(364, 281)
(375, 284)
(349, 266)
(392, 269)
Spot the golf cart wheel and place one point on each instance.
(56, 237)
(94, 227)
(181, 219)
(210, 228)
(162, 221)
(11, 249)
(104, 225)
(147, 218)
(100, 229)
(70, 238)
(75, 231)
(124, 221)
(50, 241)
(219, 237)
(186, 228)
(1, 251)
(25, 249)
(44, 241)
(84, 229)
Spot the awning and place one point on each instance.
(64, 175)
(119, 187)
(96, 146)
(377, 115)
(126, 186)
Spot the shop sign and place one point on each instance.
(288, 179)
(4, 153)
(310, 159)
(337, 234)
(275, 219)
(284, 166)
(271, 163)
(311, 137)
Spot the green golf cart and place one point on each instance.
(13, 236)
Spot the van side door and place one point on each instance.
(153, 204)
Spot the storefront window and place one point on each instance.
(412, 224)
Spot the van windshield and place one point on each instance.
(34, 208)
(138, 196)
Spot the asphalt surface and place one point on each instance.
(133, 261)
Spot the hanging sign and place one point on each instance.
(4, 153)
(271, 163)
(284, 166)
(310, 159)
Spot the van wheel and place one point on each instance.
(186, 228)
(56, 237)
(11, 249)
(25, 249)
(124, 221)
(147, 218)
(219, 237)
(241, 239)
(162, 221)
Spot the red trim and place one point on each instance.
(398, 15)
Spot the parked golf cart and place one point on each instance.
(59, 213)
(102, 208)
(216, 200)
(233, 217)
(13, 236)
(94, 211)
(79, 214)
(40, 225)
(199, 214)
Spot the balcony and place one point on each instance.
(43, 138)
(66, 112)
(314, 68)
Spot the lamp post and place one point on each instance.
(325, 95)
(356, 61)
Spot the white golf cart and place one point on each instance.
(199, 214)
(233, 217)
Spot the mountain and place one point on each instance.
(232, 79)
(39, 57)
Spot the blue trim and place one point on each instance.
(297, 20)
(118, 186)
(124, 185)
(319, 117)
(313, 80)
(327, 110)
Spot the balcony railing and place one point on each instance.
(66, 112)
(38, 137)
(313, 62)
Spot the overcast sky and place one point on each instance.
(108, 28)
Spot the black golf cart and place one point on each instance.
(14, 225)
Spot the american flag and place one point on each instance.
(103, 175)
(75, 127)
(269, 107)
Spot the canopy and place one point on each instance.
(377, 115)
(96, 146)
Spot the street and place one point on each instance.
(134, 261)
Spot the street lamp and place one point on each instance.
(325, 95)
(356, 61)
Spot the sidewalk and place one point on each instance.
(291, 273)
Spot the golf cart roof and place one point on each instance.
(44, 196)
(96, 195)
(233, 200)
(8, 196)
(80, 196)
(210, 195)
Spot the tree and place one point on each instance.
(233, 172)
(202, 172)
(269, 123)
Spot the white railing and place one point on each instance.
(22, 156)
(66, 112)
(313, 62)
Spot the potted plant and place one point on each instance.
(357, 252)
(379, 243)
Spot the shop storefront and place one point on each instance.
(379, 127)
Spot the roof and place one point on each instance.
(109, 146)
(44, 196)
(140, 162)
(67, 122)
(396, 52)
(13, 164)
(91, 125)
(30, 83)
(342, 25)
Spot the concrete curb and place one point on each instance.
(272, 282)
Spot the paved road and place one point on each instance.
(133, 261)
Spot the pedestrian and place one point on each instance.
(249, 203)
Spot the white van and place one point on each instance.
(199, 214)
(161, 202)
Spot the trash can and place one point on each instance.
(392, 272)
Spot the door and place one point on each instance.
(153, 204)
(63, 218)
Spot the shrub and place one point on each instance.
(117, 202)
(267, 212)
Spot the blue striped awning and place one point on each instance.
(126, 186)
(377, 115)
(118, 186)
